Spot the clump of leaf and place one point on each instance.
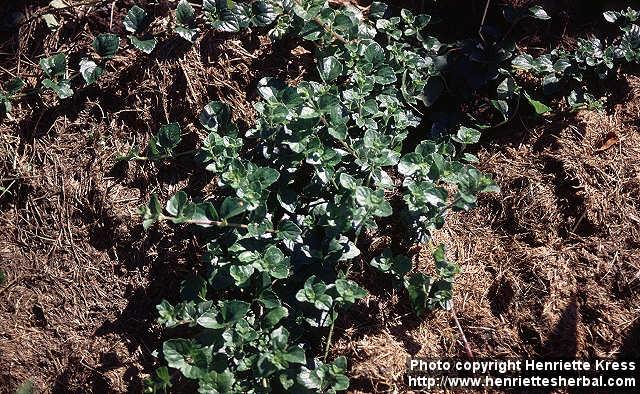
(161, 146)
(284, 229)
(233, 17)
(55, 68)
(559, 68)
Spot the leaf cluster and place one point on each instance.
(328, 154)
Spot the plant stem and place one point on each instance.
(217, 223)
(344, 144)
(330, 336)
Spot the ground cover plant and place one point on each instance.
(376, 137)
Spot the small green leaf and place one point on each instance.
(538, 106)
(539, 13)
(187, 356)
(523, 62)
(136, 20)
(289, 230)
(151, 212)
(62, 88)
(241, 274)
(146, 46)
(349, 291)
(176, 204)
(54, 66)
(90, 71)
(162, 145)
(233, 310)
(215, 115)
(399, 265)
(410, 163)
(295, 355)
(347, 181)
(264, 176)
(418, 286)
(106, 45)
(264, 13)
(204, 212)
(275, 315)
(385, 76)
(185, 14)
(467, 135)
(14, 86)
(217, 382)
(232, 206)
(330, 68)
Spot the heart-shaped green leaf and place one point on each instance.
(62, 88)
(136, 20)
(90, 71)
(146, 46)
(330, 68)
(54, 66)
(106, 45)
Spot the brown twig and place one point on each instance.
(484, 17)
(465, 343)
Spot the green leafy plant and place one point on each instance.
(287, 245)
(55, 68)
(9, 92)
(105, 46)
(560, 67)
(160, 147)
(327, 161)
(232, 17)
(185, 21)
(135, 22)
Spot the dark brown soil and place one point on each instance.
(550, 265)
